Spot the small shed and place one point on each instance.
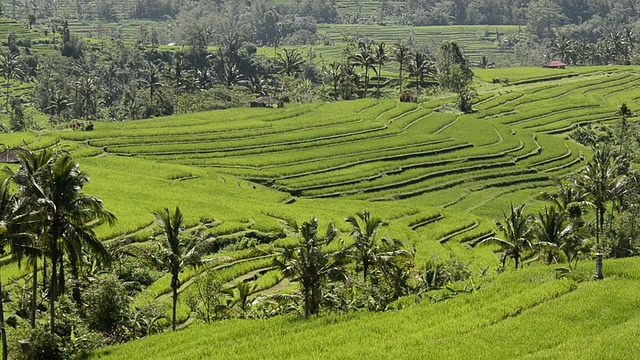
(11, 156)
(555, 65)
(267, 101)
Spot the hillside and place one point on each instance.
(527, 314)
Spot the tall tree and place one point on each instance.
(600, 182)
(517, 230)
(66, 212)
(310, 263)
(364, 228)
(176, 253)
(402, 55)
(290, 62)
(380, 58)
(11, 70)
(454, 72)
(365, 59)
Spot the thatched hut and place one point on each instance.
(555, 65)
(267, 101)
(11, 156)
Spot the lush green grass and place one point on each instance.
(252, 169)
(527, 313)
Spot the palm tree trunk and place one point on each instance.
(53, 285)
(378, 90)
(3, 329)
(175, 304)
(306, 303)
(61, 279)
(365, 268)
(75, 275)
(34, 292)
(400, 77)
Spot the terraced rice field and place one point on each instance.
(554, 318)
(438, 176)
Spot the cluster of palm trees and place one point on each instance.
(314, 262)
(370, 56)
(560, 233)
(48, 217)
(615, 48)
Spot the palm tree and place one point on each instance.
(88, 90)
(484, 63)
(311, 264)
(517, 230)
(421, 67)
(55, 182)
(402, 55)
(380, 58)
(332, 75)
(152, 80)
(563, 49)
(600, 182)
(58, 103)
(553, 230)
(241, 295)
(11, 70)
(291, 63)
(177, 253)
(364, 228)
(624, 112)
(365, 59)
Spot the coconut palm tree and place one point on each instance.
(311, 264)
(421, 66)
(176, 253)
(553, 230)
(624, 112)
(380, 57)
(333, 75)
(241, 294)
(364, 228)
(601, 183)
(11, 70)
(402, 55)
(366, 60)
(517, 228)
(55, 182)
(290, 62)
(152, 80)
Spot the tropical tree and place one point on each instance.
(152, 80)
(58, 104)
(290, 62)
(552, 230)
(310, 263)
(380, 57)
(518, 231)
(11, 70)
(176, 253)
(364, 228)
(55, 183)
(365, 59)
(88, 90)
(600, 182)
(421, 66)
(402, 55)
(624, 112)
(241, 294)
(484, 63)
(563, 49)
(332, 75)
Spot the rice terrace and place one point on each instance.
(319, 180)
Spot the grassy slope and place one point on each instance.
(523, 314)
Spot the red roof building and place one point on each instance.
(555, 65)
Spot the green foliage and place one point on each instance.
(108, 301)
